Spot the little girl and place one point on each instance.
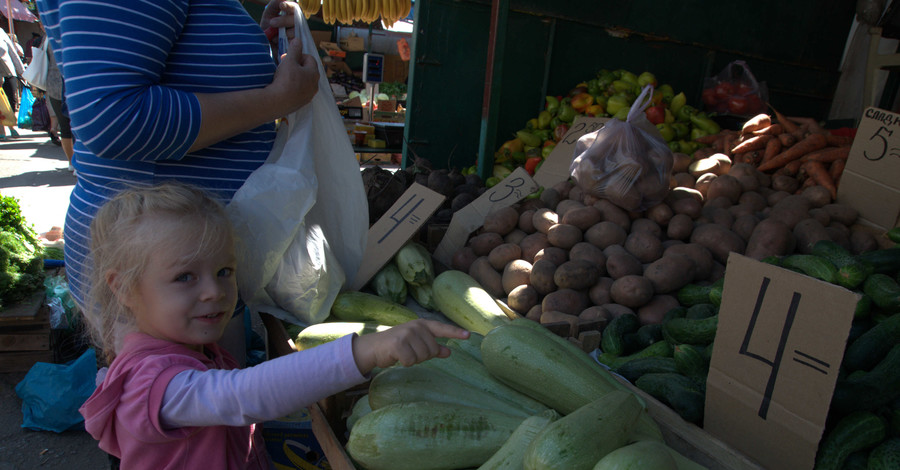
(164, 289)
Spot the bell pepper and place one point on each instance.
(566, 113)
(547, 150)
(646, 78)
(628, 77)
(543, 134)
(678, 101)
(491, 181)
(622, 86)
(594, 110)
(531, 164)
(665, 129)
(560, 131)
(532, 123)
(616, 102)
(702, 121)
(581, 101)
(519, 157)
(543, 119)
(667, 92)
(670, 118)
(673, 146)
(552, 105)
(682, 129)
(688, 147)
(622, 114)
(540, 190)
(684, 113)
(697, 133)
(528, 138)
(656, 114)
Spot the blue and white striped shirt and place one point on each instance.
(131, 69)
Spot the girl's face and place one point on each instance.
(185, 297)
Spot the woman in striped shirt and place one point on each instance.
(160, 90)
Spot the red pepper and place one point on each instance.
(656, 114)
(531, 164)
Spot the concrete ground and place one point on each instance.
(33, 170)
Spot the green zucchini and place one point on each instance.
(587, 434)
(355, 306)
(679, 392)
(321, 333)
(389, 284)
(470, 346)
(639, 455)
(414, 263)
(512, 453)
(855, 432)
(423, 295)
(871, 346)
(884, 291)
(633, 369)
(612, 340)
(461, 299)
(851, 271)
(885, 456)
(811, 265)
(411, 384)
(687, 331)
(429, 436)
(359, 409)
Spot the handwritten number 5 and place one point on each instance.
(882, 142)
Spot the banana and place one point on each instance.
(387, 13)
(328, 11)
(314, 6)
(407, 7)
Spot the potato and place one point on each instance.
(564, 235)
(684, 180)
(717, 215)
(622, 264)
(541, 277)
(703, 182)
(502, 220)
(567, 205)
(515, 274)
(483, 243)
(839, 234)
(583, 217)
(463, 258)
(577, 193)
(644, 224)
(775, 197)
(770, 238)
(566, 301)
(522, 299)
(790, 210)
(753, 199)
(550, 197)
(681, 162)
(526, 221)
(862, 240)
(514, 237)
(614, 214)
(807, 232)
(688, 206)
(590, 253)
(544, 219)
(632, 291)
(719, 240)
(553, 254)
(605, 233)
(534, 313)
(617, 310)
(594, 314)
(645, 246)
(670, 273)
(482, 271)
(680, 227)
(727, 186)
(698, 254)
(660, 214)
(503, 254)
(842, 213)
(576, 274)
(654, 311)
(563, 187)
(744, 225)
(717, 164)
(554, 317)
(821, 215)
(532, 244)
(531, 205)
(599, 292)
(818, 196)
(719, 202)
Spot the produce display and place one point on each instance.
(21, 255)
(390, 11)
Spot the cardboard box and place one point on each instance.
(320, 37)
(353, 43)
(291, 443)
(395, 68)
(332, 49)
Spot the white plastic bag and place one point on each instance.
(302, 217)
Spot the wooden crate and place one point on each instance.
(25, 335)
(329, 416)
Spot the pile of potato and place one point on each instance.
(571, 258)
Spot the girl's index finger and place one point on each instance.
(446, 330)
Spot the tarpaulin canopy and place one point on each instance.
(19, 11)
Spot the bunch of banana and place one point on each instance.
(348, 11)
(309, 7)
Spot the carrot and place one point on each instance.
(829, 154)
(708, 139)
(793, 167)
(727, 144)
(838, 140)
(794, 152)
(819, 174)
(773, 147)
(756, 122)
(774, 129)
(836, 170)
(789, 126)
(757, 142)
(787, 139)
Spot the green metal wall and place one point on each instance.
(549, 46)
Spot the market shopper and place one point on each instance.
(186, 91)
(164, 266)
(11, 70)
(56, 98)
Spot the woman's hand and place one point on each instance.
(272, 17)
(296, 78)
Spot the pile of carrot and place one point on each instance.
(794, 146)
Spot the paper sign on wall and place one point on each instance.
(466, 220)
(395, 228)
(871, 180)
(778, 348)
(555, 168)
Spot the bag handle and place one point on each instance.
(640, 104)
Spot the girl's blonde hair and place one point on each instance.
(123, 240)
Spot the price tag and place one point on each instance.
(871, 180)
(395, 228)
(778, 348)
(511, 190)
(556, 166)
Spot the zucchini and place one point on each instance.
(423, 295)
(612, 340)
(885, 456)
(851, 271)
(657, 349)
(884, 261)
(687, 331)
(583, 437)
(414, 263)
(884, 291)
(355, 306)
(855, 432)
(811, 265)
(461, 299)
(638, 455)
(389, 284)
(321, 333)
(360, 409)
(633, 369)
(429, 436)
(411, 384)
(512, 453)
(871, 346)
(533, 363)
(470, 346)
(679, 392)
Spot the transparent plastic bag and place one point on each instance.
(626, 162)
(735, 91)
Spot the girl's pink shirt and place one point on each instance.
(123, 413)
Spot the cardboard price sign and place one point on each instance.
(779, 344)
(556, 166)
(466, 220)
(395, 228)
(870, 182)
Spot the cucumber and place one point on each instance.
(871, 347)
(884, 261)
(811, 265)
(679, 392)
(634, 369)
(648, 334)
(857, 461)
(884, 291)
(612, 340)
(855, 432)
(851, 271)
(715, 294)
(677, 312)
(701, 311)
(863, 390)
(893, 234)
(657, 349)
(693, 294)
(886, 456)
(863, 307)
(687, 331)
(691, 361)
